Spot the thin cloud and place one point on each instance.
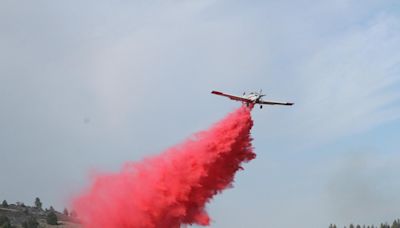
(349, 85)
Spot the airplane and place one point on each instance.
(251, 98)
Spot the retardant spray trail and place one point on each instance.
(172, 188)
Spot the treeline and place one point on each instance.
(395, 224)
(10, 215)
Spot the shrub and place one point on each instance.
(52, 218)
(30, 223)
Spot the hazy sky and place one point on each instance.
(87, 85)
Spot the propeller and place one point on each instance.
(261, 95)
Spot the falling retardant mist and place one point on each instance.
(172, 188)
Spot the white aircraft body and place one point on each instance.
(251, 98)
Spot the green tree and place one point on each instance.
(5, 222)
(38, 203)
(385, 225)
(51, 218)
(30, 223)
(396, 224)
(4, 203)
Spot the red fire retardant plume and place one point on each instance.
(172, 188)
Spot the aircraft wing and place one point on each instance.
(274, 103)
(232, 97)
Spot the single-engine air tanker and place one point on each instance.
(251, 98)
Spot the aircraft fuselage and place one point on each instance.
(253, 97)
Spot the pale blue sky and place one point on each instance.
(89, 85)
